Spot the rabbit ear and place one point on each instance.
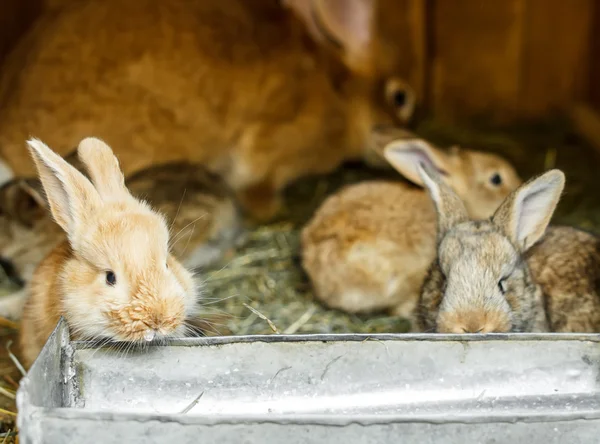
(406, 155)
(103, 168)
(346, 24)
(449, 207)
(525, 214)
(72, 198)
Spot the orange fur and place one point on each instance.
(43, 308)
(108, 231)
(251, 89)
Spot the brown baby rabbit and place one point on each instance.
(199, 208)
(504, 274)
(114, 277)
(368, 247)
(259, 91)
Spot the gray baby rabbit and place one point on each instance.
(508, 273)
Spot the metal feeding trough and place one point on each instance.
(316, 388)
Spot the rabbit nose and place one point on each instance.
(473, 321)
(476, 324)
(472, 330)
(463, 329)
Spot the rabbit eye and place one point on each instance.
(496, 179)
(400, 99)
(502, 286)
(111, 278)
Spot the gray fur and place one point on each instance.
(510, 274)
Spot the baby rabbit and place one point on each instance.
(369, 245)
(503, 274)
(262, 92)
(113, 277)
(201, 213)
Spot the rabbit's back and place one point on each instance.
(368, 247)
(163, 68)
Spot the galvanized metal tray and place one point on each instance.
(317, 388)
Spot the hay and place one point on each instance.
(192, 404)
(264, 291)
(10, 374)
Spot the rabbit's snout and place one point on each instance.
(473, 321)
(145, 320)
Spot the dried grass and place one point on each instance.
(10, 374)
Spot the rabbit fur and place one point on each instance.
(368, 247)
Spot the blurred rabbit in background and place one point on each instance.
(261, 92)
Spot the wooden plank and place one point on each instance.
(476, 54)
(15, 17)
(556, 55)
(586, 121)
(594, 78)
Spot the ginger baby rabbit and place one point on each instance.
(509, 273)
(113, 277)
(368, 246)
(200, 210)
(259, 91)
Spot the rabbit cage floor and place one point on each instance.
(261, 289)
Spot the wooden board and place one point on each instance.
(556, 55)
(594, 76)
(15, 17)
(509, 59)
(475, 57)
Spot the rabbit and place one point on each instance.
(368, 247)
(200, 210)
(509, 273)
(113, 277)
(262, 92)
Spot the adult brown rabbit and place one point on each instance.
(260, 91)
